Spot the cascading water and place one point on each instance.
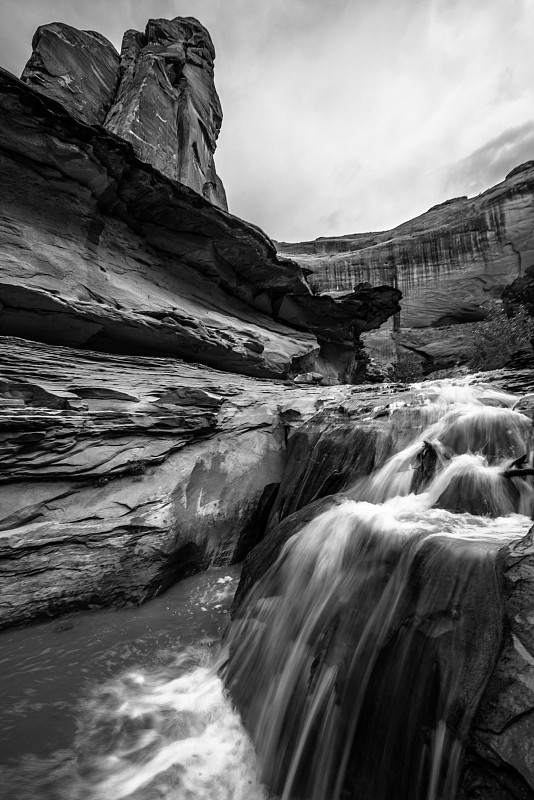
(356, 661)
(360, 656)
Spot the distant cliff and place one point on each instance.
(447, 262)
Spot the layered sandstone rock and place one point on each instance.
(100, 250)
(166, 104)
(127, 459)
(160, 95)
(448, 262)
(120, 475)
(78, 69)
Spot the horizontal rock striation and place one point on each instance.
(448, 263)
(120, 475)
(100, 250)
(159, 95)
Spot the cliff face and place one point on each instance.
(166, 103)
(159, 95)
(101, 250)
(448, 262)
(139, 439)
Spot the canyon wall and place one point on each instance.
(155, 351)
(448, 263)
(101, 250)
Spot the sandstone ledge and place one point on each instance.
(120, 475)
(100, 250)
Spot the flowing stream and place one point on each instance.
(356, 661)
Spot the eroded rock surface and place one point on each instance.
(120, 475)
(500, 763)
(78, 69)
(98, 249)
(160, 95)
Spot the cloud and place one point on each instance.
(348, 115)
(491, 162)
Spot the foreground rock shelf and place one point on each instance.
(120, 475)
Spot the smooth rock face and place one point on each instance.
(166, 104)
(448, 262)
(160, 95)
(99, 250)
(78, 69)
(121, 475)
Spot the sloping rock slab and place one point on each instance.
(120, 475)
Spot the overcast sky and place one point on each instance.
(342, 116)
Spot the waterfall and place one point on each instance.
(355, 663)
(360, 656)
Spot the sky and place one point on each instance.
(342, 116)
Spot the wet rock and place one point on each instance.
(267, 551)
(325, 456)
(500, 763)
